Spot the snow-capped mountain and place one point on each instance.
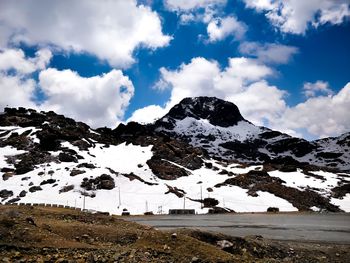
(219, 127)
(203, 154)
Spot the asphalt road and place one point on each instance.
(328, 227)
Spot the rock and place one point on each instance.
(5, 193)
(218, 112)
(104, 181)
(210, 202)
(208, 165)
(75, 172)
(22, 193)
(66, 188)
(86, 165)
(273, 209)
(49, 181)
(165, 170)
(34, 189)
(66, 157)
(223, 244)
(7, 175)
(174, 190)
(174, 235)
(6, 170)
(195, 260)
(13, 200)
(30, 221)
(166, 247)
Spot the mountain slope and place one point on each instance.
(231, 137)
(48, 158)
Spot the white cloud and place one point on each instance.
(148, 114)
(220, 28)
(16, 86)
(317, 88)
(294, 16)
(111, 30)
(260, 102)
(98, 101)
(209, 12)
(321, 116)
(14, 59)
(15, 91)
(268, 52)
(188, 5)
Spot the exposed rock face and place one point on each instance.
(256, 181)
(104, 181)
(218, 127)
(5, 193)
(218, 112)
(164, 148)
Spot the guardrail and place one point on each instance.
(57, 206)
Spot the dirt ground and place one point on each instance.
(43, 234)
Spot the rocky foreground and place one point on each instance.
(42, 234)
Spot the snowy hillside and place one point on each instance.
(49, 159)
(234, 138)
(49, 183)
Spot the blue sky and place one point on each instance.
(284, 63)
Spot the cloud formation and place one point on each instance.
(186, 6)
(295, 16)
(321, 116)
(111, 31)
(16, 89)
(98, 101)
(268, 52)
(220, 28)
(14, 59)
(316, 88)
(209, 12)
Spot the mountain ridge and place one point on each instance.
(46, 157)
(241, 140)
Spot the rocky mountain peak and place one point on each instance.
(218, 112)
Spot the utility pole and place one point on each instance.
(146, 206)
(184, 202)
(84, 201)
(120, 202)
(201, 198)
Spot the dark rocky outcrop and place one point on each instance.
(66, 188)
(75, 172)
(103, 181)
(218, 112)
(5, 193)
(255, 181)
(35, 189)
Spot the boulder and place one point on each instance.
(5, 193)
